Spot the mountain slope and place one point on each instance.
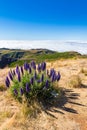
(12, 57)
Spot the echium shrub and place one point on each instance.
(32, 82)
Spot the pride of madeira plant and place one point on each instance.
(32, 82)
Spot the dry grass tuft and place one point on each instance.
(31, 110)
(75, 81)
(84, 71)
(5, 114)
(2, 88)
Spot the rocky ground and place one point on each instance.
(70, 113)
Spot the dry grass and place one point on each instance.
(4, 115)
(30, 111)
(2, 88)
(74, 81)
(84, 71)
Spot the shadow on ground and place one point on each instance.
(83, 86)
(58, 105)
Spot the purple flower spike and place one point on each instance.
(15, 92)
(39, 68)
(17, 69)
(31, 81)
(42, 78)
(21, 91)
(39, 81)
(7, 82)
(43, 66)
(19, 77)
(58, 76)
(22, 70)
(52, 72)
(10, 76)
(33, 65)
(53, 76)
(7, 79)
(47, 84)
(26, 66)
(27, 87)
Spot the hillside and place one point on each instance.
(11, 57)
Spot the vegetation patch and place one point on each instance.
(41, 57)
(2, 88)
(75, 81)
(84, 71)
(12, 57)
(33, 86)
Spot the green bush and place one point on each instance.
(31, 82)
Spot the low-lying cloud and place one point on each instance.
(55, 45)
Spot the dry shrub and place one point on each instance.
(75, 81)
(2, 88)
(30, 111)
(5, 114)
(84, 71)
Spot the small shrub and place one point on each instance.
(32, 83)
(84, 71)
(75, 81)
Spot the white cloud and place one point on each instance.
(79, 46)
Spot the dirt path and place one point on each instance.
(70, 113)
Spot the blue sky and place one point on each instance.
(43, 19)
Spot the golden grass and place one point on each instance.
(84, 71)
(30, 111)
(2, 88)
(75, 81)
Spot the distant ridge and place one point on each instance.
(8, 49)
(8, 56)
(18, 56)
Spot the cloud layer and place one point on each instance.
(55, 45)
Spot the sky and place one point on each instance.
(43, 20)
